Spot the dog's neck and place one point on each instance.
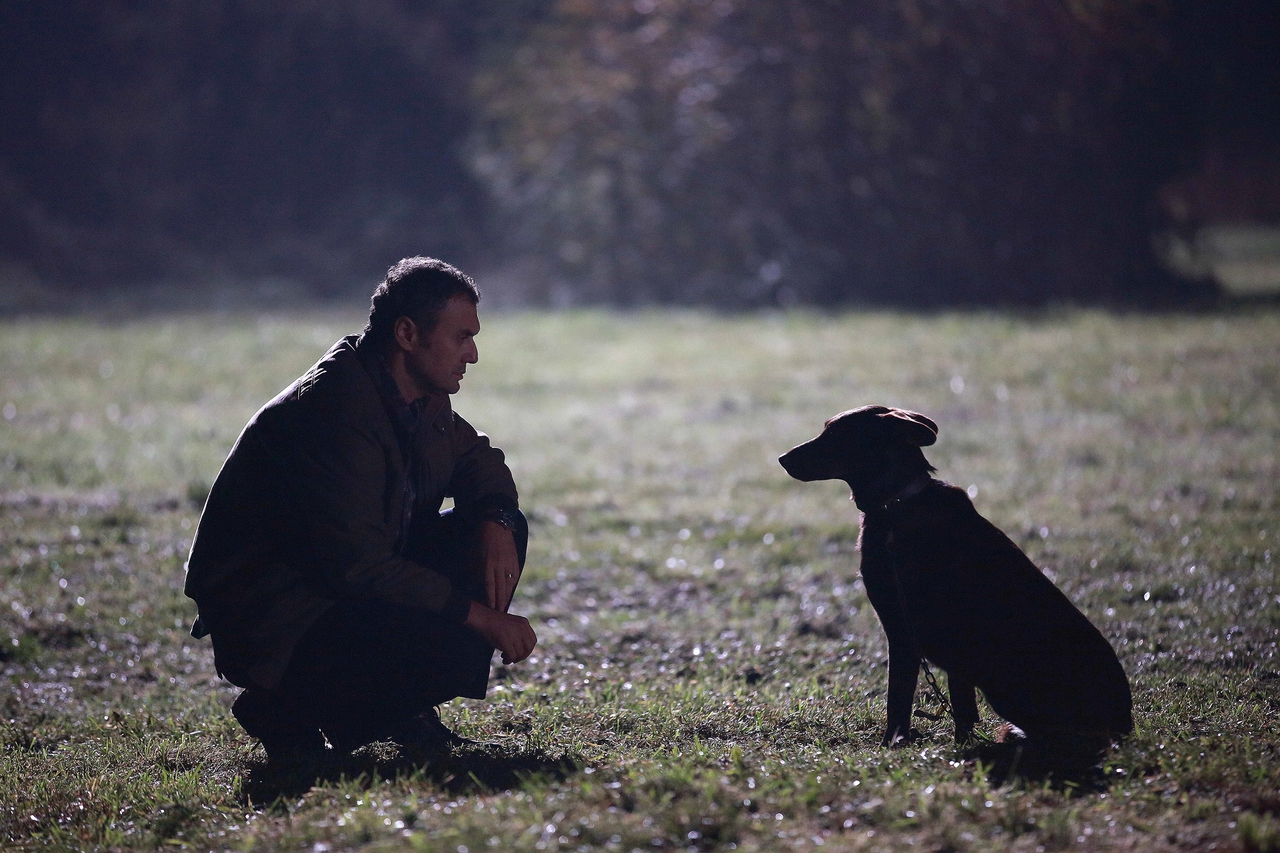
(908, 491)
(888, 492)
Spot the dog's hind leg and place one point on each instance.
(964, 705)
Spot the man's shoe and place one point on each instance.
(426, 733)
(295, 749)
(286, 740)
(421, 734)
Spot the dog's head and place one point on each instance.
(855, 446)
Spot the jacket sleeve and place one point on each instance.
(339, 481)
(481, 478)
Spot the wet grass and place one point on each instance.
(710, 674)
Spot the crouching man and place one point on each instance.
(334, 590)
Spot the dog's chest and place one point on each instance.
(890, 550)
(877, 540)
(905, 570)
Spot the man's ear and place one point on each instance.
(405, 333)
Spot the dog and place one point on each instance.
(950, 588)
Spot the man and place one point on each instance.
(335, 591)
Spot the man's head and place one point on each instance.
(424, 320)
(417, 288)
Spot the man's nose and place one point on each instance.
(473, 354)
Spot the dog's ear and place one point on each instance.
(909, 427)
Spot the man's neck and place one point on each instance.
(409, 390)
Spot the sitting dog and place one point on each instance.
(951, 588)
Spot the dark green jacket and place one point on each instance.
(308, 508)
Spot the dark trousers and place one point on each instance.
(367, 667)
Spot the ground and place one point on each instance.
(709, 673)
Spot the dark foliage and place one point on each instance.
(291, 138)
(634, 151)
(923, 152)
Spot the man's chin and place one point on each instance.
(446, 387)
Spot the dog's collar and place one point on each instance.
(912, 489)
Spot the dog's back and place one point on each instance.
(981, 608)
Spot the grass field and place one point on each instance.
(710, 674)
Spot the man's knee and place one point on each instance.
(448, 543)
(521, 533)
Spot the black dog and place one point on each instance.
(949, 587)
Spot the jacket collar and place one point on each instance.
(408, 416)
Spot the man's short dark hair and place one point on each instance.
(417, 288)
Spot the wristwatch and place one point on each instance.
(508, 518)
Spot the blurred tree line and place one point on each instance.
(920, 152)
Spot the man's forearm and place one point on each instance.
(512, 635)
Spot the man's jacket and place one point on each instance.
(309, 507)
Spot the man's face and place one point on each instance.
(437, 360)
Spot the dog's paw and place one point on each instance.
(1009, 733)
(895, 738)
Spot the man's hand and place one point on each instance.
(499, 563)
(512, 635)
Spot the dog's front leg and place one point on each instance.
(964, 705)
(904, 652)
(904, 671)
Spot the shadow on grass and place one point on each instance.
(474, 768)
(1065, 765)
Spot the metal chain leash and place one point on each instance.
(938, 696)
